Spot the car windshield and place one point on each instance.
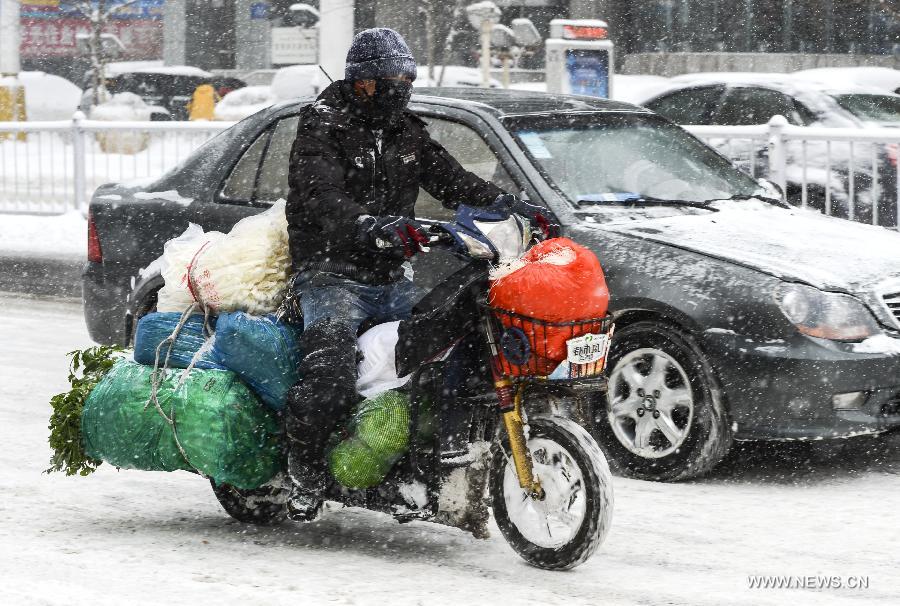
(875, 108)
(592, 158)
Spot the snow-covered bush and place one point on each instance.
(298, 81)
(243, 102)
(122, 107)
(49, 97)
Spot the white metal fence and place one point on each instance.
(52, 167)
(845, 172)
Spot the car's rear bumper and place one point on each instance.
(785, 390)
(105, 296)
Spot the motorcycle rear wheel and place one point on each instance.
(263, 506)
(565, 528)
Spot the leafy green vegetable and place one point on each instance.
(65, 421)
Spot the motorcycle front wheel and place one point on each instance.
(566, 527)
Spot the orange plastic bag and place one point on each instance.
(557, 281)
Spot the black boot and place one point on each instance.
(323, 398)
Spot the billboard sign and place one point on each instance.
(295, 45)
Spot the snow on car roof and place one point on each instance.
(505, 102)
(882, 78)
(139, 67)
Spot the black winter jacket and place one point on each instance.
(338, 172)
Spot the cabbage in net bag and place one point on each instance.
(379, 437)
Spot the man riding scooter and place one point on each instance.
(355, 171)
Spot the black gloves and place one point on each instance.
(536, 215)
(392, 232)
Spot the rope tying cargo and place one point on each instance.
(159, 374)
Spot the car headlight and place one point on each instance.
(826, 315)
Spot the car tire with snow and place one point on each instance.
(577, 507)
(263, 506)
(664, 417)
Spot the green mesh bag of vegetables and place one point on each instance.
(379, 436)
(220, 428)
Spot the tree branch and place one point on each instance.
(83, 8)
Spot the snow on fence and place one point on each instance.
(52, 167)
(850, 173)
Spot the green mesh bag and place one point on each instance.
(379, 437)
(225, 433)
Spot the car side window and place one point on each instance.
(472, 152)
(692, 106)
(240, 184)
(273, 175)
(747, 106)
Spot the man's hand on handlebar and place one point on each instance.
(536, 215)
(388, 232)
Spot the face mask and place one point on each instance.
(387, 104)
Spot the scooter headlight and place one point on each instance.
(510, 237)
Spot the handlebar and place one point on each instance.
(446, 235)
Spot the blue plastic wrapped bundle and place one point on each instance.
(156, 327)
(261, 350)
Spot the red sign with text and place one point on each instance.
(55, 37)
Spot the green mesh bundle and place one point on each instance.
(379, 437)
(225, 433)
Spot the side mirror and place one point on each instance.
(772, 189)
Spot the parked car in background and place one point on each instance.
(167, 87)
(737, 317)
(856, 178)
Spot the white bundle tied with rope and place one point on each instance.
(245, 270)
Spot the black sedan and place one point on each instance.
(737, 318)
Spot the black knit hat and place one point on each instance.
(379, 52)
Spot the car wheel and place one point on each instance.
(146, 306)
(664, 417)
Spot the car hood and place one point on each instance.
(792, 244)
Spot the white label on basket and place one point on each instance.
(587, 348)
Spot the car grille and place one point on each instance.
(893, 304)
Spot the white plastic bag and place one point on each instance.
(245, 270)
(248, 269)
(175, 296)
(378, 368)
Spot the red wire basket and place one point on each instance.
(529, 347)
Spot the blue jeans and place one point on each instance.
(325, 296)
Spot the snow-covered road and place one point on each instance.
(128, 537)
